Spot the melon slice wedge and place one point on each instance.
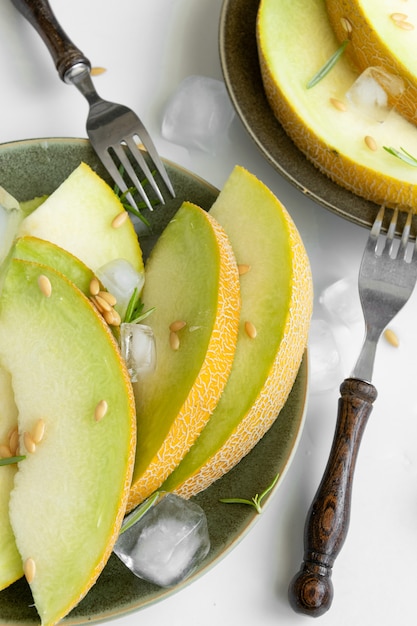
(78, 217)
(381, 35)
(295, 39)
(276, 294)
(191, 276)
(71, 490)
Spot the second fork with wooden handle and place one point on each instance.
(386, 280)
(113, 129)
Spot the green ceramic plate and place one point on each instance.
(239, 59)
(35, 167)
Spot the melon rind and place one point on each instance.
(276, 295)
(70, 495)
(295, 39)
(192, 276)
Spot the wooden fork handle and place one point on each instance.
(311, 589)
(64, 53)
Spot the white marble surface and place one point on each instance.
(147, 49)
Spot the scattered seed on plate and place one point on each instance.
(94, 286)
(29, 569)
(44, 285)
(174, 340)
(177, 325)
(404, 25)
(38, 431)
(338, 104)
(96, 71)
(243, 268)
(371, 143)
(250, 330)
(392, 337)
(30, 445)
(100, 410)
(120, 219)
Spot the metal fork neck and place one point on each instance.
(365, 364)
(79, 75)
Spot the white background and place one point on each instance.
(147, 48)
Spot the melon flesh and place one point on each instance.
(70, 493)
(382, 33)
(276, 295)
(295, 39)
(191, 276)
(78, 217)
(10, 561)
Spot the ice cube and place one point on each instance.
(137, 345)
(341, 301)
(198, 114)
(325, 368)
(374, 93)
(167, 543)
(121, 279)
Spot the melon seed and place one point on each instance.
(30, 445)
(29, 569)
(371, 143)
(38, 432)
(94, 286)
(5, 452)
(100, 410)
(177, 325)
(174, 340)
(250, 330)
(120, 219)
(44, 285)
(243, 268)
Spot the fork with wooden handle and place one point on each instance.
(387, 278)
(113, 129)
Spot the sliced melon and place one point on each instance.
(10, 562)
(78, 216)
(381, 35)
(276, 294)
(192, 277)
(71, 489)
(295, 39)
(47, 253)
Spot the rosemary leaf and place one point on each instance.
(330, 63)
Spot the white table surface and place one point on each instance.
(147, 49)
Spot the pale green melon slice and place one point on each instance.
(47, 253)
(78, 216)
(10, 562)
(70, 492)
(276, 294)
(191, 277)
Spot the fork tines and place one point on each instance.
(394, 242)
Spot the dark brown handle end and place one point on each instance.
(311, 590)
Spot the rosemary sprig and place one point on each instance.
(256, 501)
(132, 190)
(11, 459)
(330, 63)
(403, 155)
(134, 311)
